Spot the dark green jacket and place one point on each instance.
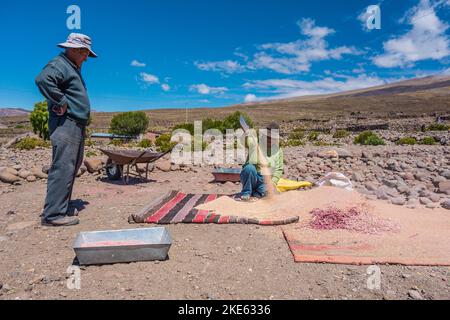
(60, 82)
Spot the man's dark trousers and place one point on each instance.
(67, 137)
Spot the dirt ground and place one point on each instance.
(206, 261)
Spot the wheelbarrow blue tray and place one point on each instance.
(122, 246)
(227, 174)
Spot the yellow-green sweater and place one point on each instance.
(276, 160)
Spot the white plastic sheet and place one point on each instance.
(336, 179)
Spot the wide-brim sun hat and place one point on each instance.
(78, 41)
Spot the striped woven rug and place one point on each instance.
(178, 207)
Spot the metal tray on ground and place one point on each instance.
(122, 246)
(227, 174)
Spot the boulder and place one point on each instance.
(445, 174)
(424, 201)
(398, 201)
(38, 173)
(444, 187)
(46, 169)
(164, 165)
(12, 171)
(446, 204)
(330, 154)
(343, 153)
(31, 178)
(93, 165)
(7, 177)
(24, 174)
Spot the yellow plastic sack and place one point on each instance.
(289, 185)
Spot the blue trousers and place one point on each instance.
(252, 182)
(67, 137)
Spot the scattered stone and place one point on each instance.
(343, 153)
(46, 169)
(371, 187)
(382, 195)
(435, 197)
(412, 203)
(93, 165)
(446, 204)
(444, 187)
(358, 177)
(31, 178)
(390, 183)
(431, 205)
(424, 200)
(7, 177)
(24, 173)
(164, 166)
(38, 173)
(17, 167)
(414, 294)
(437, 180)
(445, 174)
(398, 201)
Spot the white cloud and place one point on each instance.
(426, 40)
(287, 88)
(138, 64)
(165, 87)
(287, 58)
(250, 98)
(227, 66)
(205, 89)
(149, 78)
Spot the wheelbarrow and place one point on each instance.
(119, 159)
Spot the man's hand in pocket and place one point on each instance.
(60, 111)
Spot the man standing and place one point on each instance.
(62, 85)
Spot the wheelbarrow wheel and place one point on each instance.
(113, 171)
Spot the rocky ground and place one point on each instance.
(210, 261)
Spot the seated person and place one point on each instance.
(252, 178)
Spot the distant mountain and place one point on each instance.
(13, 112)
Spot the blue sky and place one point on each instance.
(185, 53)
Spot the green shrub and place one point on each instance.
(89, 143)
(438, 127)
(292, 143)
(407, 141)
(297, 135)
(117, 142)
(313, 136)
(145, 144)
(19, 126)
(374, 140)
(129, 123)
(233, 121)
(341, 134)
(39, 120)
(429, 141)
(163, 143)
(91, 154)
(185, 126)
(369, 138)
(362, 137)
(321, 143)
(31, 143)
